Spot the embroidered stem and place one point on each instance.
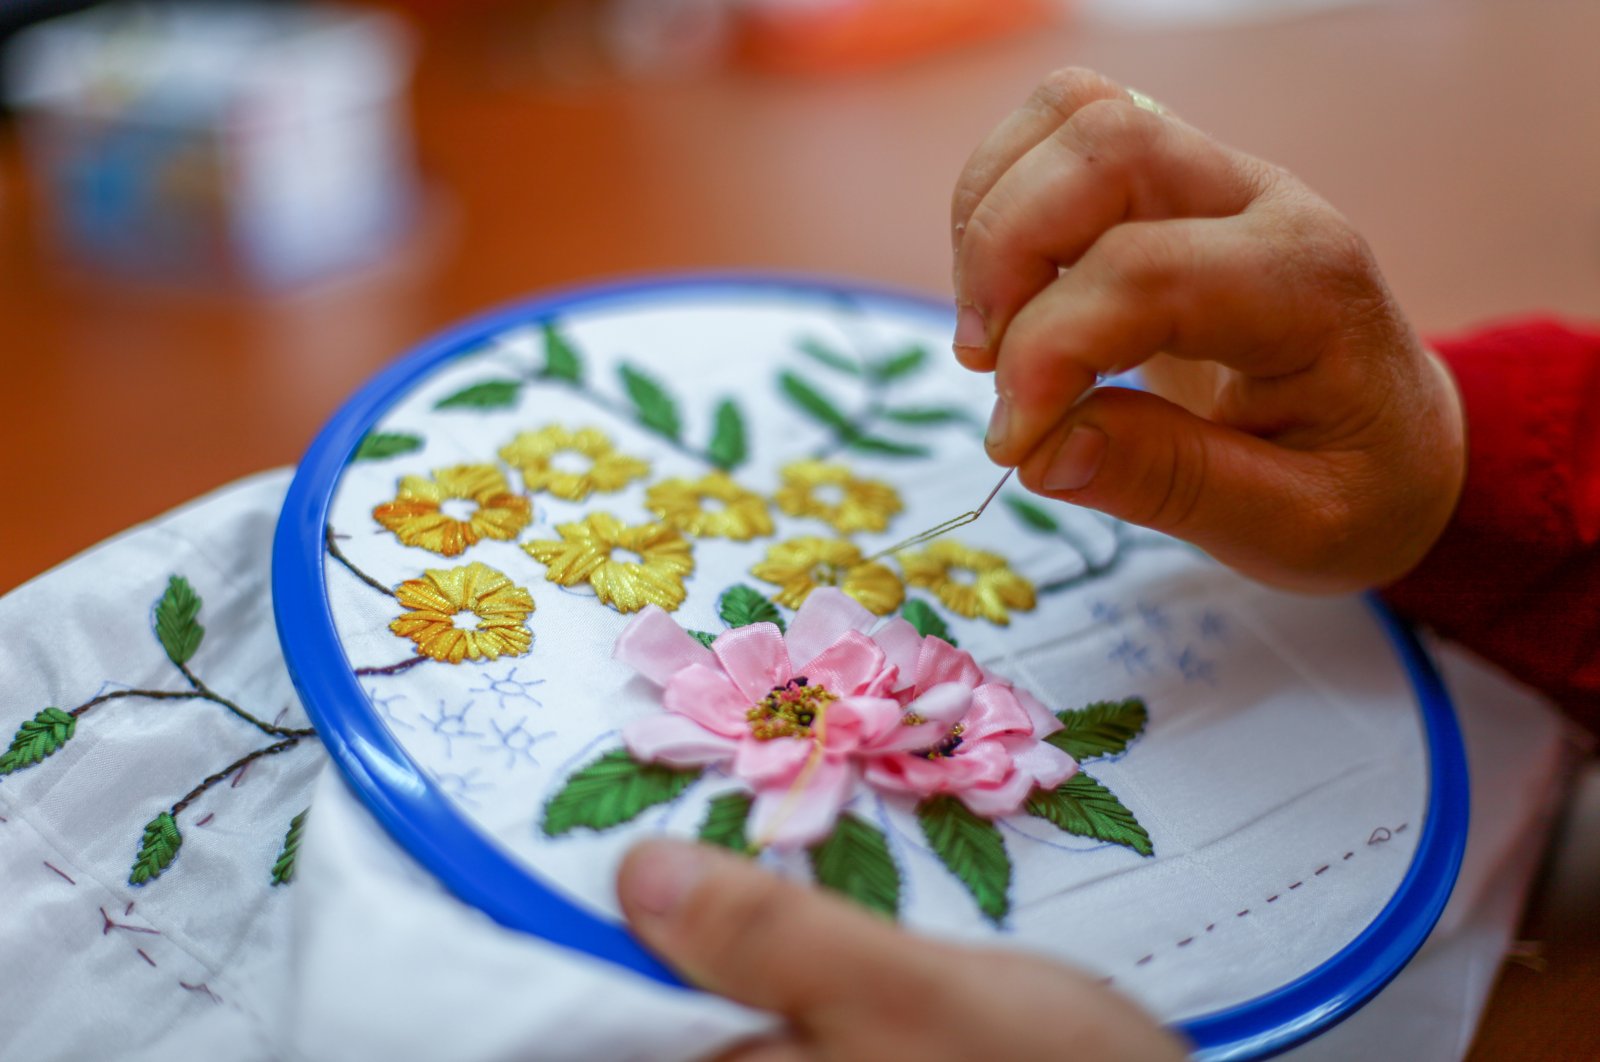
(625, 413)
(201, 692)
(337, 554)
(392, 669)
(194, 794)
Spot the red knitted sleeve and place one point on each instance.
(1516, 575)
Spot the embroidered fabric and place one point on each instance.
(363, 955)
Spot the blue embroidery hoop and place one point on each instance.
(414, 810)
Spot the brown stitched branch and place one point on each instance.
(338, 554)
(194, 794)
(205, 692)
(392, 669)
(155, 695)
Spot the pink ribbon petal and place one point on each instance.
(996, 710)
(824, 615)
(1045, 764)
(998, 801)
(755, 657)
(706, 695)
(788, 818)
(847, 666)
(677, 740)
(939, 661)
(774, 762)
(1045, 722)
(857, 721)
(901, 646)
(656, 647)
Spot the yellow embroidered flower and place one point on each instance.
(420, 513)
(444, 603)
(597, 550)
(732, 512)
(571, 464)
(816, 488)
(970, 582)
(800, 565)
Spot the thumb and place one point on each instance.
(1263, 509)
(738, 931)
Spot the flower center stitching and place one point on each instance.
(790, 710)
(947, 747)
(823, 574)
(572, 462)
(462, 509)
(465, 620)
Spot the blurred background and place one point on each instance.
(218, 219)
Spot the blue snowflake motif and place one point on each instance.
(517, 741)
(1105, 612)
(510, 687)
(460, 787)
(1212, 626)
(1132, 656)
(382, 704)
(450, 726)
(1155, 617)
(1195, 668)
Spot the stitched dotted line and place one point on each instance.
(1378, 836)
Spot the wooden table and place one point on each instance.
(1460, 135)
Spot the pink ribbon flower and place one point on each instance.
(799, 716)
(985, 748)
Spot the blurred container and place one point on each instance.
(239, 143)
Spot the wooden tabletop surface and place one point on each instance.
(1461, 136)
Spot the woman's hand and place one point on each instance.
(852, 986)
(1296, 430)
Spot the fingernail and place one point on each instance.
(970, 331)
(999, 425)
(663, 873)
(1075, 464)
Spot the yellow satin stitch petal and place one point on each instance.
(832, 493)
(800, 565)
(571, 464)
(713, 506)
(435, 600)
(970, 582)
(417, 516)
(586, 553)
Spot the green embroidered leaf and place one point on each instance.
(902, 364)
(1032, 515)
(855, 860)
(741, 606)
(725, 821)
(705, 638)
(157, 850)
(972, 849)
(489, 394)
(813, 403)
(727, 450)
(37, 738)
(872, 444)
(283, 869)
(380, 444)
(655, 407)
(175, 620)
(1103, 728)
(1083, 806)
(921, 615)
(821, 352)
(612, 790)
(926, 415)
(561, 359)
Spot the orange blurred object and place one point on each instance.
(857, 34)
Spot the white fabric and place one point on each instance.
(364, 956)
(1268, 763)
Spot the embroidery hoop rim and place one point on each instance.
(422, 819)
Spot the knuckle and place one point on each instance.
(1111, 131)
(1175, 484)
(1064, 90)
(1139, 257)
